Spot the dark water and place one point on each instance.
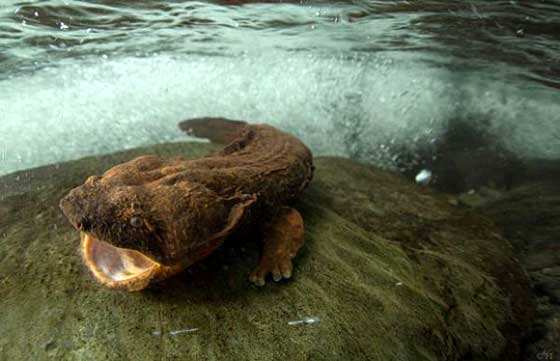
(362, 79)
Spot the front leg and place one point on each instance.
(282, 239)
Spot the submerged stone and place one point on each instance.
(392, 270)
(529, 214)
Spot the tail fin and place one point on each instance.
(217, 130)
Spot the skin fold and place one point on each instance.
(150, 218)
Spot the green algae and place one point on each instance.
(393, 272)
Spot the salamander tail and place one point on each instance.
(217, 130)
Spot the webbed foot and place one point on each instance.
(283, 239)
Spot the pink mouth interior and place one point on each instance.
(113, 264)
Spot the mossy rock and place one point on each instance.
(529, 216)
(392, 270)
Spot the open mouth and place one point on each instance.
(119, 267)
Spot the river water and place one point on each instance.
(360, 79)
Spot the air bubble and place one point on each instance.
(424, 177)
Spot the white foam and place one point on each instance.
(340, 104)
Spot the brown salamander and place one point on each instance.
(149, 218)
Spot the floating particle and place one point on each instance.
(306, 321)
(424, 177)
(186, 330)
(176, 332)
(398, 284)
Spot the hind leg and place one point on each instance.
(283, 239)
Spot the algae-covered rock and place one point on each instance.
(530, 217)
(391, 270)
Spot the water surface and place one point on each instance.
(361, 79)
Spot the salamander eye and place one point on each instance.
(136, 222)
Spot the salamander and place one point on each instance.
(149, 218)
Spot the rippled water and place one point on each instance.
(359, 79)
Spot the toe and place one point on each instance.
(286, 269)
(260, 282)
(276, 274)
(258, 277)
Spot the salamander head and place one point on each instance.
(140, 224)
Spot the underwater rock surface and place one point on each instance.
(392, 271)
(529, 215)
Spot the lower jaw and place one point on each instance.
(155, 272)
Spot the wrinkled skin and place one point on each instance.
(164, 215)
